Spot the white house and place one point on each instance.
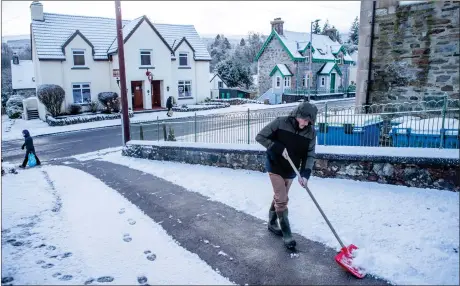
(354, 68)
(216, 83)
(80, 54)
(22, 75)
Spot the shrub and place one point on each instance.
(108, 100)
(74, 108)
(116, 105)
(52, 96)
(93, 106)
(14, 106)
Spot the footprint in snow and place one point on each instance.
(121, 211)
(46, 266)
(67, 254)
(150, 255)
(40, 262)
(56, 274)
(126, 237)
(7, 280)
(89, 281)
(105, 279)
(147, 252)
(17, 243)
(142, 279)
(66, 277)
(131, 221)
(51, 247)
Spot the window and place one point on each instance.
(78, 58)
(307, 56)
(183, 59)
(287, 81)
(185, 88)
(146, 58)
(278, 81)
(220, 84)
(303, 82)
(341, 59)
(308, 80)
(81, 93)
(323, 81)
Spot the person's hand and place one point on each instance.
(303, 182)
(285, 154)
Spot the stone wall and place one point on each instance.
(415, 51)
(414, 172)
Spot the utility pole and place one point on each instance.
(121, 66)
(310, 82)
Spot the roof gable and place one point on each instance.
(70, 39)
(327, 68)
(184, 40)
(289, 52)
(283, 69)
(131, 28)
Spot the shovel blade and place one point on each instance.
(345, 259)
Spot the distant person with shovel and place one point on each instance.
(294, 136)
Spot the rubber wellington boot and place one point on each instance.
(273, 221)
(289, 242)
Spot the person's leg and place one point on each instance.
(281, 187)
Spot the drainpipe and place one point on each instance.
(368, 91)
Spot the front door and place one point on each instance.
(138, 99)
(156, 94)
(332, 82)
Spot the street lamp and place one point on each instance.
(311, 56)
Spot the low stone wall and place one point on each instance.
(436, 173)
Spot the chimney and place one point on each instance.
(15, 59)
(36, 11)
(277, 25)
(332, 33)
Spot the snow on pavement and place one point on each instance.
(405, 235)
(62, 226)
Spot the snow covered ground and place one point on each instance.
(405, 235)
(61, 226)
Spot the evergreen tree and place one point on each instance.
(338, 36)
(316, 28)
(326, 27)
(354, 32)
(242, 43)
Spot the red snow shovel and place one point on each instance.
(345, 257)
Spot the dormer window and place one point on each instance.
(79, 58)
(183, 59)
(307, 56)
(341, 59)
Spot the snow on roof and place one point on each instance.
(22, 75)
(324, 47)
(327, 68)
(127, 29)
(52, 33)
(283, 70)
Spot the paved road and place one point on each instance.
(73, 143)
(254, 255)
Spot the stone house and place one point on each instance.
(284, 64)
(80, 54)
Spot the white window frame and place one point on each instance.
(308, 80)
(278, 82)
(184, 83)
(79, 52)
(81, 88)
(287, 81)
(308, 56)
(322, 81)
(140, 57)
(220, 84)
(187, 57)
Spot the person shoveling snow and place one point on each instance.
(292, 136)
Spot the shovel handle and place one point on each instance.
(316, 203)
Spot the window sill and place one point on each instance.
(185, 68)
(184, 98)
(80, 68)
(146, 67)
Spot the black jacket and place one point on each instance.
(169, 102)
(284, 132)
(28, 141)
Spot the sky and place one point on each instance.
(208, 17)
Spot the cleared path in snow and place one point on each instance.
(236, 244)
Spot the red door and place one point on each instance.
(138, 100)
(156, 94)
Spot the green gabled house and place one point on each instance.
(284, 64)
